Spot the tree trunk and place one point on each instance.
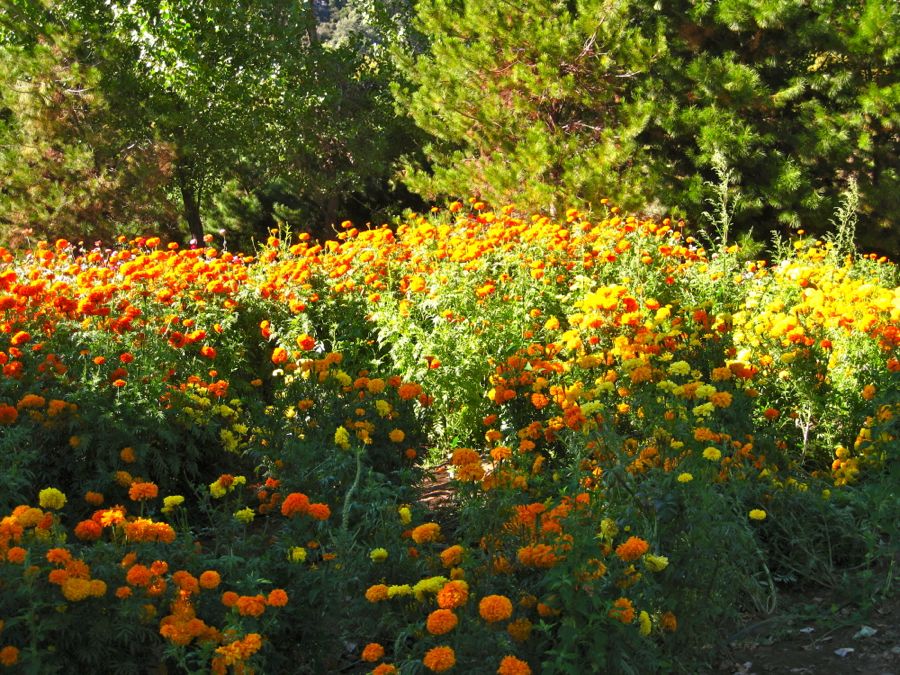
(192, 211)
(311, 25)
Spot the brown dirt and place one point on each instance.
(811, 641)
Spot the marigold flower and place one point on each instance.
(632, 549)
(397, 435)
(277, 598)
(644, 623)
(656, 563)
(668, 622)
(295, 503)
(622, 610)
(93, 498)
(377, 593)
(230, 598)
(712, 454)
(75, 589)
(88, 530)
(757, 514)
(9, 656)
(210, 579)
(8, 414)
(426, 532)
(493, 608)
(142, 491)
(297, 554)
(441, 621)
(685, 477)
(372, 652)
(16, 555)
(439, 659)
(510, 665)
(454, 594)
(378, 555)
(319, 511)
(51, 498)
(519, 630)
(245, 515)
(452, 556)
(251, 605)
(385, 669)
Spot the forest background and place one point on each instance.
(184, 117)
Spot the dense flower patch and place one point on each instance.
(210, 459)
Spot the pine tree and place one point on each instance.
(533, 102)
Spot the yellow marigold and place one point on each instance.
(632, 549)
(510, 665)
(342, 438)
(97, 588)
(441, 621)
(426, 532)
(685, 477)
(372, 652)
(757, 514)
(297, 554)
(644, 623)
(712, 454)
(493, 608)
(378, 555)
(656, 563)
(405, 515)
(51, 498)
(245, 515)
(439, 659)
(171, 503)
(454, 594)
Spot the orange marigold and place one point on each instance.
(142, 491)
(454, 594)
(452, 556)
(251, 605)
(439, 659)
(210, 579)
(493, 608)
(632, 549)
(426, 532)
(622, 610)
(9, 656)
(385, 669)
(372, 652)
(510, 665)
(441, 621)
(377, 593)
(295, 503)
(277, 598)
(319, 511)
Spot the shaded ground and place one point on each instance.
(812, 635)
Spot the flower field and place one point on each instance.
(212, 461)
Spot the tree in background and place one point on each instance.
(66, 166)
(799, 99)
(546, 102)
(533, 102)
(250, 100)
